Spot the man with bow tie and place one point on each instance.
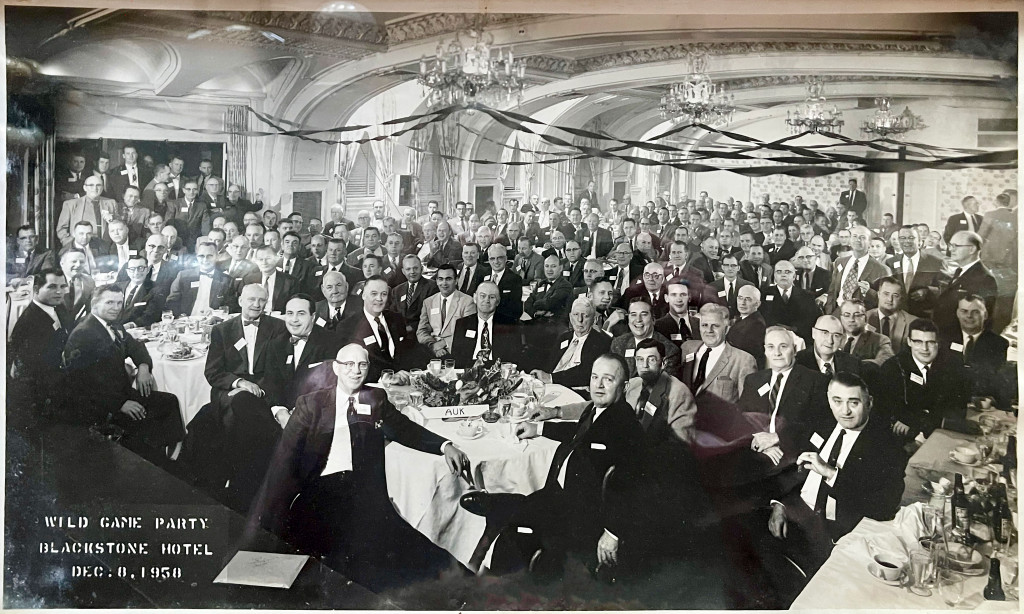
(202, 289)
(106, 393)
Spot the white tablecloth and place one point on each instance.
(15, 306)
(427, 495)
(184, 379)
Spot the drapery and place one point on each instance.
(531, 143)
(347, 155)
(236, 123)
(448, 142)
(507, 154)
(384, 151)
(420, 140)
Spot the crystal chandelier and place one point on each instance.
(697, 99)
(817, 116)
(885, 123)
(474, 73)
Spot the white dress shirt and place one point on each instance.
(339, 458)
(269, 282)
(571, 357)
(377, 331)
(809, 491)
(50, 311)
(716, 353)
(782, 388)
(822, 362)
(333, 311)
(249, 334)
(565, 464)
(203, 296)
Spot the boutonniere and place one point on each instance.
(378, 424)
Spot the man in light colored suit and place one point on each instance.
(653, 392)
(888, 318)
(864, 344)
(711, 366)
(91, 208)
(441, 311)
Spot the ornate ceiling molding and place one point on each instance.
(315, 24)
(434, 24)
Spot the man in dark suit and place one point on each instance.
(984, 353)
(444, 249)
(781, 248)
(69, 181)
(641, 326)
(279, 284)
(924, 387)
(920, 274)
(578, 510)
(590, 195)
(391, 263)
(853, 199)
(211, 194)
(80, 283)
(825, 355)
(811, 278)
(726, 289)
(747, 331)
(407, 298)
(131, 173)
(89, 244)
(471, 272)
(236, 206)
(626, 272)
(482, 333)
(189, 215)
(36, 386)
(337, 305)
(383, 333)
(510, 286)
(862, 343)
(599, 242)
(95, 357)
(528, 264)
(969, 219)
(294, 264)
(754, 269)
(970, 277)
(194, 291)
(787, 305)
(328, 494)
(26, 259)
(652, 289)
(573, 265)
(577, 349)
(549, 303)
(142, 306)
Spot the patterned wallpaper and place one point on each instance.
(981, 183)
(825, 189)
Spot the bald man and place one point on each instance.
(652, 288)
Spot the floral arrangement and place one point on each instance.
(481, 384)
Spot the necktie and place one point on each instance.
(956, 274)
(924, 374)
(785, 296)
(677, 272)
(773, 396)
(567, 356)
(485, 341)
(444, 310)
(385, 338)
(828, 369)
(849, 346)
(807, 280)
(408, 296)
(337, 316)
(104, 177)
(823, 488)
(701, 374)
(76, 290)
(730, 289)
(908, 274)
(118, 339)
(351, 407)
(464, 286)
(968, 348)
(641, 402)
(885, 326)
(134, 179)
(684, 330)
(850, 283)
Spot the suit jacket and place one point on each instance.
(24, 266)
(555, 297)
(670, 408)
(192, 222)
(449, 252)
(923, 407)
(392, 274)
(854, 200)
(597, 343)
(120, 180)
(999, 233)
(958, 222)
(820, 280)
(604, 243)
(302, 271)
(185, 289)
(301, 455)
(285, 379)
(510, 307)
(841, 361)
(34, 355)
(899, 324)
(636, 272)
(775, 253)
(356, 329)
(871, 273)
(530, 267)
(625, 345)
(96, 371)
(507, 341)
(725, 379)
(574, 274)
(872, 347)
(760, 276)
(430, 324)
(78, 210)
(927, 277)
(747, 334)
(353, 305)
(658, 310)
(479, 273)
(145, 307)
(228, 361)
(285, 287)
(411, 307)
(975, 280)
(106, 253)
(667, 326)
(803, 406)
(716, 292)
(701, 263)
(591, 197)
(78, 308)
(986, 366)
(800, 313)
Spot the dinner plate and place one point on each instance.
(195, 354)
(928, 489)
(960, 462)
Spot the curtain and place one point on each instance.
(347, 155)
(421, 140)
(448, 142)
(236, 122)
(507, 153)
(531, 143)
(384, 151)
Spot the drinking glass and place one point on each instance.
(951, 586)
(416, 399)
(435, 367)
(167, 317)
(921, 568)
(507, 370)
(192, 325)
(537, 387)
(401, 400)
(1008, 571)
(387, 379)
(449, 368)
(985, 448)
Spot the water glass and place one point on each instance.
(1008, 572)
(921, 573)
(401, 400)
(387, 378)
(167, 318)
(449, 368)
(951, 587)
(435, 367)
(508, 369)
(416, 399)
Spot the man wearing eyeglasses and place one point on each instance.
(860, 341)
(725, 290)
(90, 208)
(970, 277)
(924, 387)
(142, 306)
(826, 355)
(26, 259)
(201, 289)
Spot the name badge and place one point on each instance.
(124, 172)
(470, 334)
(142, 304)
(817, 440)
(321, 322)
(362, 409)
(404, 296)
(370, 340)
(318, 273)
(19, 260)
(897, 265)
(630, 353)
(650, 408)
(722, 294)
(565, 273)
(505, 291)
(956, 347)
(770, 297)
(564, 344)
(435, 311)
(487, 278)
(240, 344)
(689, 358)
(289, 360)
(598, 446)
(387, 270)
(830, 508)
(638, 282)
(763, 390)
(195, 284)
(963, 222)
(917, 379)
(524, 530)
(314, 365)
(677, 337)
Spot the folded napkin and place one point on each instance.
(898, 537)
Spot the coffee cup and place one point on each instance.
(888, 567)
(965, 454)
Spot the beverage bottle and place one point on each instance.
(960, 507)
(994, 588)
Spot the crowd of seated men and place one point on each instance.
(767, 365)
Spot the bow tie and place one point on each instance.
(255, 322)
(296, 338)
(210, 274)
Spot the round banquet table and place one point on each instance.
(184, 379)
(426, 494)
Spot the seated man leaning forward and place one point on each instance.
(326, 489)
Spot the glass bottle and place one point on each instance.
(994, 588)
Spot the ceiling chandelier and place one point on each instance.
(817, 117)
(697, 99)
(885, 123)
(476, 72)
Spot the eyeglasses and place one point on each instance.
(136, 269)
(929, 343)
(854, 315)
(653, 275)
(960, 245)
(829, 333)
(351, 365)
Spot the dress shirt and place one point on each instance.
(622, 281)
(249, 333)
(910, 262)
(480, 335)
(333, 311)
(377, 333)
(854, 338)
(90, 258)
(133, 175)
(922, 368)
(110, 331)
(571, 356)
(203, 296)
(809, 491)
(496, 276)
(176, 182)
(50, 311)
(297, 354)
(565, 464)
(154, 271)
(467, 274)
(822, 362)
(122, 253)
(782, 388)
(716, 353)
(340, 456)
(861, 263)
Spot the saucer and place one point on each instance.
(477, 435)
(874, 570)
(953, 458)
